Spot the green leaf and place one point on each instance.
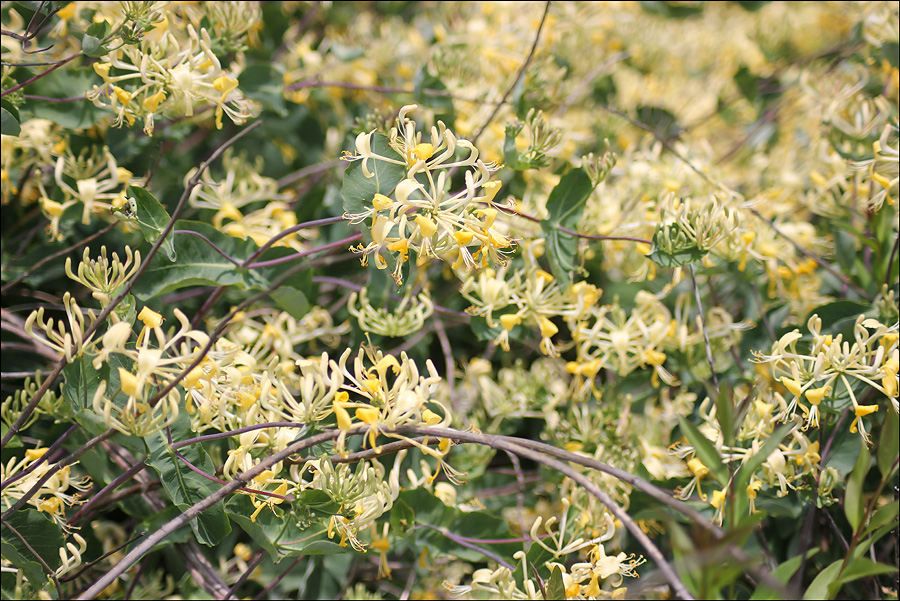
(706, 451)
(845, 452)
(359, 190)
(441, 105)
(725, 413)
(565, 207)
(290, 300)
(752, 5)
(556, 589)
(91, 46)
(884, 515)
(861, 567)
(320, 501)
(838, 315)
(403, 518)
(891, 52)
(199, 264)
(44, 537)
(99, 30)
(749, 467)
(888, 444)
(672, 10)
(853, 505)
(818, 588)
(676, 259)
(64, 83)
(152, 218)
(277, 534)
(9, 119)
(783, 573)
(184, 486)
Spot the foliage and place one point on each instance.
(478, 300)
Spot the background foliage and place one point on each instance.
(617, 298)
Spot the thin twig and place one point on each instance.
(43, 458)
(846, 280)
(260, 555)
(709, 356)
(519, 75)
(106, 490)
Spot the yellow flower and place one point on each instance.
(548, 328)
(151, 103)
(423, 151)
(697, 468)
(426, 226)
(815, 395)
(129, 383)
(150, 318)
(793, 386)
(381, 202)
(717, 497)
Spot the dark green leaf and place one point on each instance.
(752, 5)
(441, 105)
(152, 218)
(403, 518)
(198, 263)
(845, 452)
(44, 537)
(853, 505)
(64, 83)
(263, 84)
(888, 444)
(184, 486)
(9, 120)
(837, 315)
(725, 413)
(891, 52)
(565, 207)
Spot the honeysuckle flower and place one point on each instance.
(69, 341)
(105, 277)
(58, 493)
(402, 321)
(829, 360)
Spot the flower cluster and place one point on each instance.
(173, 68)
(422, 215)
(830, 373)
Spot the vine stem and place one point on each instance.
(498, 442)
